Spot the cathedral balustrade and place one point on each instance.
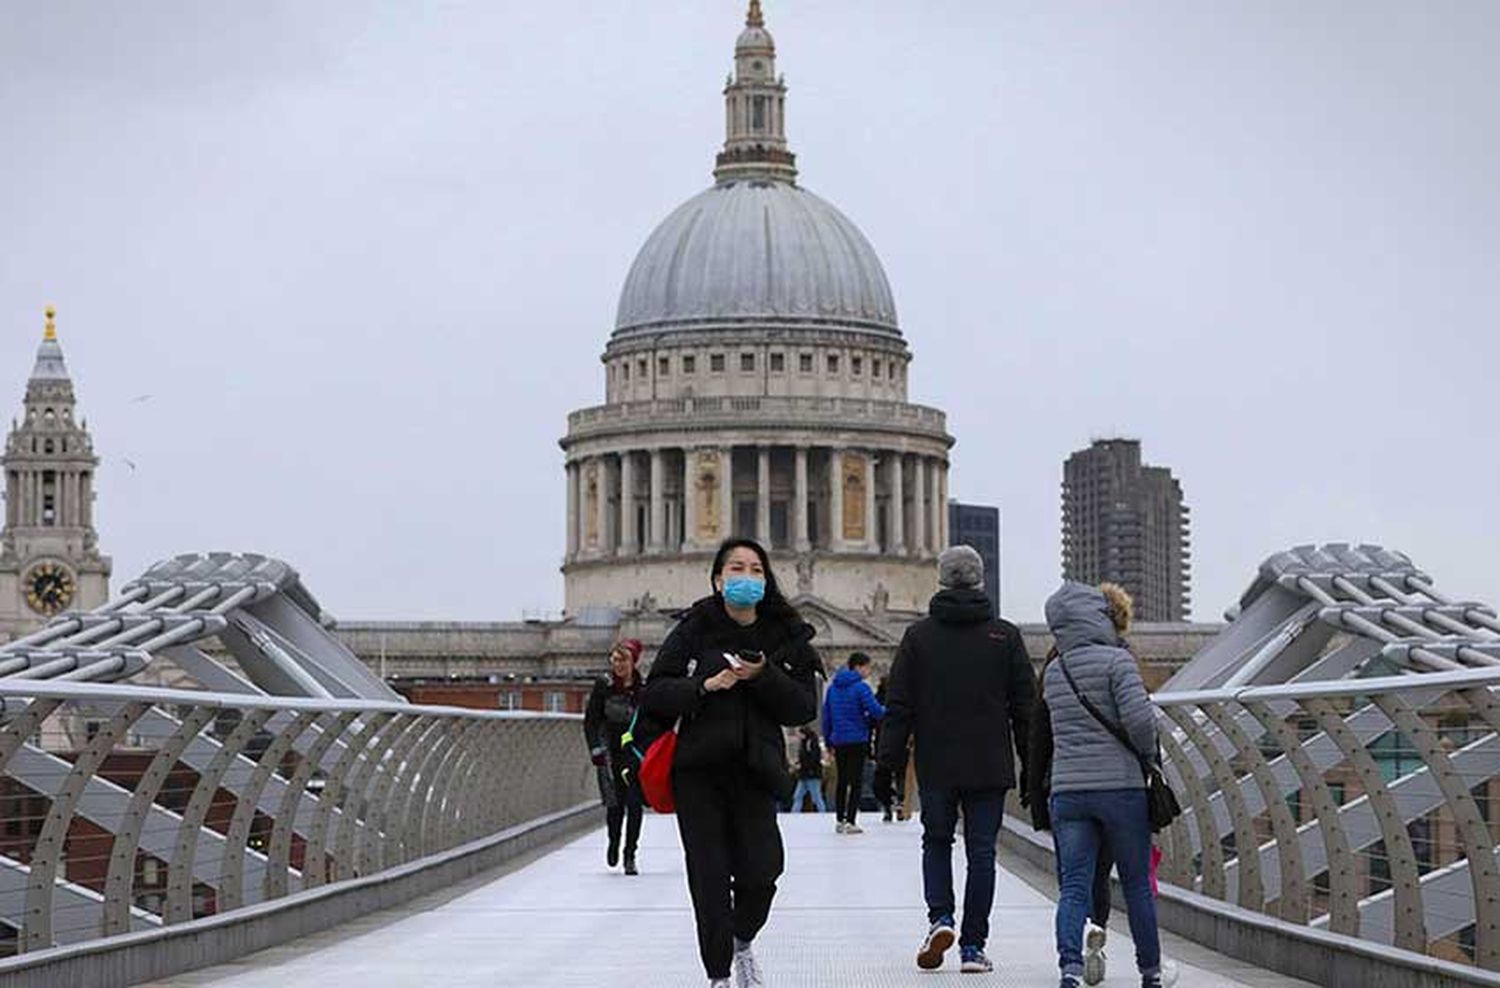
(790, 412)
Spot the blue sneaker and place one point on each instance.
(1071, 981)
(974, 961)
(939, 938)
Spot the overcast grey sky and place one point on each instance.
(364, 258)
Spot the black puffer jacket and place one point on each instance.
(743, 724)
(963, 686)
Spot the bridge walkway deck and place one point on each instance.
(849, 912)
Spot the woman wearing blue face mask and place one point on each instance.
(737, 669)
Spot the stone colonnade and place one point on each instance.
(791, 498)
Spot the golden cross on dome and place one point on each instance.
(50, 333)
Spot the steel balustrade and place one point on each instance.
(409, 782)
(1395, 877)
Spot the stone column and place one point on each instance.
(763, 496)
(919, 516)
(898, 505)
(943, 533)
(629, 537)
(606, 546)
(571, 470)
(872, 527)
(933, 508)
(836, 499)
(726, 492)
(799, 498)
(689, 501)
(937, 506)
(656, 543)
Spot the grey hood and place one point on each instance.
(1078, 615)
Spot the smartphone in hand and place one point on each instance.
(733, 660)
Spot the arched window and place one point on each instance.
(49, 447)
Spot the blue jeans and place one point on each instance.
(1082, 824)
(982, 809)
(813, 788)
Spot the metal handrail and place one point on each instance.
(53, 689)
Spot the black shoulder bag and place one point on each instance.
(1161, 802)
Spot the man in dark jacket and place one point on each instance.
(962, 687)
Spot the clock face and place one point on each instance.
(49, 588)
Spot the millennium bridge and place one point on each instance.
(269, 812)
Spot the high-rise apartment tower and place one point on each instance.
(1126, 523)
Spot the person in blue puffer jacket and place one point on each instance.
(850, 711)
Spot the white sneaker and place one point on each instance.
(841, 828)
(853, 828)
(1093, 953)
(746, 969)
(1169, 973)
(720, 983)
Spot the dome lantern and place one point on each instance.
(755, 110)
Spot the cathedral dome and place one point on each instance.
(762, 251)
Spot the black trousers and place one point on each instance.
(850, 759)
(734, 856)
(1100, 911)
(624, 810)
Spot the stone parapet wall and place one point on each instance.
(474, 650)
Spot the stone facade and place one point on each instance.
(540, 652)
(49, 551)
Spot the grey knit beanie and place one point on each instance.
(960, 566)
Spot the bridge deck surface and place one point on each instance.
(849, 912)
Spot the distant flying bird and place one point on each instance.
(140, 398)
(130, 464)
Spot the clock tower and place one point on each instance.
(49, 553)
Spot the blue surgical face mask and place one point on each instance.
(744, 591)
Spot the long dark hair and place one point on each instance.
(774, 605)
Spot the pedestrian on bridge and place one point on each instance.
(1098, 799)
(612, 705)
(737, 669)
(809, 770)
(961, 686)
(850, 713)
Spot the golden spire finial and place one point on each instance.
(51, 331)
(755, 18)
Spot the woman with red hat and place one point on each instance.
(611, 708)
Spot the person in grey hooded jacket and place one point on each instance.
(1098, 787)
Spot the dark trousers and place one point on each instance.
(982, 810)
(625, 809)
(1099, 907)
(734, 856)
(888, 787)
(850, 759)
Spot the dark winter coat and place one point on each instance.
(809, 757)
(962, 686)
(611, 705)
(741, 725)
(850, 709)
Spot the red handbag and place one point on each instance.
(656, 772)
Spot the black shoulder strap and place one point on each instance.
(1108, 725)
